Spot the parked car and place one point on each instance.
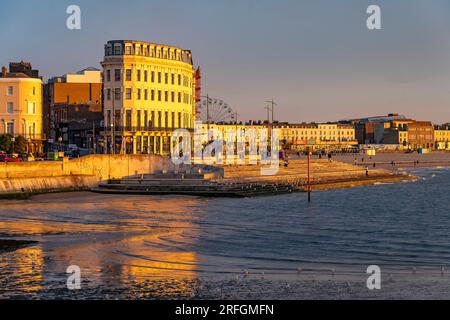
(6, 158)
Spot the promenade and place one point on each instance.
(323, 174)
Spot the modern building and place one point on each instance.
(365, 128)
(73, 109)
(21, 105)
(149, 90)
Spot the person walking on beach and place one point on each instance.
(367, 171)
(329, 157)
(356, 161)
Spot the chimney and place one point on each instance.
(4, 72)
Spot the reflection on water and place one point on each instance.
(172, 247)
(117, 242)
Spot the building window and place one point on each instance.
(159, 77)
(173, 119)
(166, 119)
(159, 119)
(146, 94)
(128, 50)
(145, 75)
(10, 128)
(159, 95)
(166, 96)
(108, 94)
(108, 118)
(117, 49)
(34, 91)
(31, 107)
(139, 119)
(173, 96)
(139, 94)
(128, 120)
(152, 76)
(128, 75)
(117, 94)
(173, 78)
(117, 74)
(179, 97)
(108, 75)
(179, 79)
(10, 107)
(10, 91)
(128, 94)
(139, 75)
(152, 95)
(146, 120)
(166, 78)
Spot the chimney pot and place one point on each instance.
(4, 72)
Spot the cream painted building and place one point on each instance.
(298, 136)
(319, 136)
(21, 108)
(149, 90)
(442, 137)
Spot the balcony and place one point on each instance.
(134, 129)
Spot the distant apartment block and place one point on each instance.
(73, 108)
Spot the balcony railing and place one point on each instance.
(141, 129)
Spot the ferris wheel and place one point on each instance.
(212, 110)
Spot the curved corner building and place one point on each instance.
(149, 90)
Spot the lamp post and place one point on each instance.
(60, 143)
(273, 105)
(13, 140)
(112, 139)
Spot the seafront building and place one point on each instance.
(21, 104)
(442, 137)
(149, 91)
(318, 136)
(295, 137)
(73, 109)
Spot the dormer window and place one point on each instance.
(128, 50)
(117, 49)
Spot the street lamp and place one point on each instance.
(60, 143)
(13, 140)
(112, 139)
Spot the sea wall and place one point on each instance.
(101, 166)
(83, 173)
(25, 186)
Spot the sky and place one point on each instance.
(316, 58)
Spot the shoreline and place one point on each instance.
(13, 245)
(325, 175)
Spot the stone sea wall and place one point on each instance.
(76, 174)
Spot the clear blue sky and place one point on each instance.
(315, 57)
